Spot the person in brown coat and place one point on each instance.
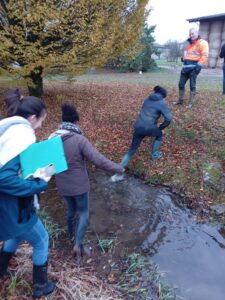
(73, 184)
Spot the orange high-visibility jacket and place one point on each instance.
(197, 51)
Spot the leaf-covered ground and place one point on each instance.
(109, 103)
(108, 106)
(108, 112)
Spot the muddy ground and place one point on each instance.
(122, 214)
(133, 217)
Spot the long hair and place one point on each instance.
(17, 105)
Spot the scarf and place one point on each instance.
(16, 134)
(70, 127)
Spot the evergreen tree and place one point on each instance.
(143, 50)
(143, 61)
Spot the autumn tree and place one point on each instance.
(70, 35)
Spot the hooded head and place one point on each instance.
(69, 113)
(160, 90)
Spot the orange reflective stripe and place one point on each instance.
(194, 53)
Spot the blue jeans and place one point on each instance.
(138, 135)
(224, 79)
(37, 237)
(77, 216)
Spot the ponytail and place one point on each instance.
(18, 105)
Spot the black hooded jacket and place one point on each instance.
(152, 109)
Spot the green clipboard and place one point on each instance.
(41, 154)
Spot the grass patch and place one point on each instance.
(142, 278)
(16, 283)
(54, 230)
(105, 244)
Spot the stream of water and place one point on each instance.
(146, 219)
(190, 255)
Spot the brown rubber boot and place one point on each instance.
(181, 98)
(191, 100)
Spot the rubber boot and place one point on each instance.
(155, 150)
(181, 98)
(4, 262)
(80, 252)
(191, 99)
(42, 286)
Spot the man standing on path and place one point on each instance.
(195, 56)
(222, 55)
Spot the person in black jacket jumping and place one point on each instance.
(146, 125)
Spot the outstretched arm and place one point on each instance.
(99, 160)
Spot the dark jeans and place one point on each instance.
(138, 135)
(192, 76)
(224, 79)
(77, 216)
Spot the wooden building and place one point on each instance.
(212, 29)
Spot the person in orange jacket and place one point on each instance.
(195, 56)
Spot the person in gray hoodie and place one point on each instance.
(73, 184)
(146, 125)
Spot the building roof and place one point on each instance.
(217, 17)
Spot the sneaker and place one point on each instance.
(117, 177)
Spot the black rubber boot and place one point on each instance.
(4, 262)
(42, 286)
(80, 252)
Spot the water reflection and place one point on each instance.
(191, 255)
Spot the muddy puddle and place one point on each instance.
(146, 219)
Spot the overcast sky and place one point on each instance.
(170, 16)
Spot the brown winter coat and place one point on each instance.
(78, 149)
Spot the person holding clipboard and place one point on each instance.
(18, 218)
